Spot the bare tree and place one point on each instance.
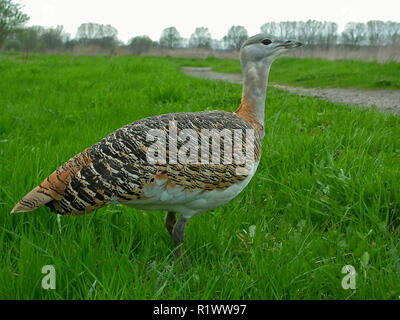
(291, 29)
(236, 36)
(354, 34)
(98, 35)
(54, 38)
(96, 31)
(331, 34)
(315, 32)
(271, 28)
(86, 31)
(376, 31)
(325, 33)
(393, 32)
(11, 18)
(285, 29)
(311, 32)
(141, 44)
(170, 38)
(201, 38)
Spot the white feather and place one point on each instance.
(162, 197)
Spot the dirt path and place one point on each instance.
(385, 100)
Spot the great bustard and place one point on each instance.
(127, 168)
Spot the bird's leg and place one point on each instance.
(170, 221)
(178, 234)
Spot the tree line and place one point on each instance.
(323, 33)
(14, 35)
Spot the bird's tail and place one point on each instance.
(54, 186)
(32, 201)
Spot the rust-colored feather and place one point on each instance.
(54, 186)
(247, 110)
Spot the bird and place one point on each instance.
(145, 164)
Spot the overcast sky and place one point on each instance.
(150, 17)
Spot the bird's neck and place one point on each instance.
(255, 81)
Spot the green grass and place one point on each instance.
(326, 193)
(316, 72)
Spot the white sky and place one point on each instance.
(150, 17)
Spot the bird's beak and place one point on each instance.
(290, 44)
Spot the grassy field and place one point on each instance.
(316, 72)
(326, 193)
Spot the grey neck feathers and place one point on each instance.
(255, 83)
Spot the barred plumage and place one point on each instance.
(117, 169)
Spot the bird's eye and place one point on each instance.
(266, 42)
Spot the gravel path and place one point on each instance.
(385, 100)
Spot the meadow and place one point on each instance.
(316, 72)
(326, 193)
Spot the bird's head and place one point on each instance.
(263, 48)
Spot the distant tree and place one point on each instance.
(106, 43)
(271, 28)
(70, 44)
(54, 38)
(217, 44)
(354, 34)
(292, 30)
(331, 34)
(11, 18)
(108, 31)
(37, 38)
(317, 33)
(184, 43)
(393, 32)
(284, 29)
(170, 38)
(30, 39)
(86, 31)
(141, 44)
(201, 38)
(311, 32)
(12, 44)
(376, 32)
(99, 35)
(96, 31)
(236, 36)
